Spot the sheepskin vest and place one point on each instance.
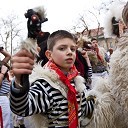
(119, 70)
(40, 120)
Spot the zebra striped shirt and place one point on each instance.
(43, 98)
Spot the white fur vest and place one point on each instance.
(39, 120)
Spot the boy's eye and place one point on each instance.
(61, 48)
(73, 49)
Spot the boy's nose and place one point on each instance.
(69, 51)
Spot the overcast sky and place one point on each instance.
(61, 14)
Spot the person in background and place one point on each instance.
(6, 58)
(109, 53)
(98, 58)
(56, 89)
(84, 67)
(4, 91)
(82, 62)
(108, 57)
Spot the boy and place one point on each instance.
(56, 90)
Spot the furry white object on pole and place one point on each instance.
(115, 10)
(30, 45)
(41, 11)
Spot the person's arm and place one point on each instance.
(89, 101)
(99, 55)
(34, 102)
(85, 55)
(7, 56)
(22, 63)
(3, 71)
(1, 78)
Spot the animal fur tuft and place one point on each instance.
(115, 10)
(30, 45)
(41, 11)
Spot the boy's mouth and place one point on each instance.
(70, 60)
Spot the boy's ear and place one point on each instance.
(48, 54)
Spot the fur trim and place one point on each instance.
(41, 11)
(115, 10)
(41, 121)
(119, 72)
(103, 115)
(125, 14)
(101, 87)
(30, 45)
(38, 121)
(50, 75)
(111, 103)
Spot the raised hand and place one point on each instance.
(22, 63)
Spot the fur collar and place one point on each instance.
(53, 79)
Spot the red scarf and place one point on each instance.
(71, 96)
(1, 119)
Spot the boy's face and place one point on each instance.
(64, 54)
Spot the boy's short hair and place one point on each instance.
(58, 35)
(93, 39)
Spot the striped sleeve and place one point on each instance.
(89, 71)
(88, 105)
(34, 101)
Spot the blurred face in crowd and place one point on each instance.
(94, 44)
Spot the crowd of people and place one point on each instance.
(51, 81)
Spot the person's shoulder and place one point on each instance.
(42, 82)
(102, 49)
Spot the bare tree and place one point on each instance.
(98, 22)
(9, 31)
(81, 24)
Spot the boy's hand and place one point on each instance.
(22, 63)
